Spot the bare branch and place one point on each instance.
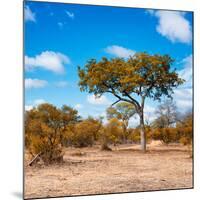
(132, 100)
(129, 96)
(115, 102)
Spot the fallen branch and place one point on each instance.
(34, 159)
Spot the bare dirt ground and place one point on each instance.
(125, 169)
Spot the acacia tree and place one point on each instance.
(133, 80)
(122, 111)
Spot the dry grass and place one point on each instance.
(125, 169)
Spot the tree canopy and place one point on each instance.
(122, 111)
(142, 74)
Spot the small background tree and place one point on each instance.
(167, 114)
(123, 111)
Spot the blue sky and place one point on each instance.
(60, 37)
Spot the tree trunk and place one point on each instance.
(124, 131)
(142, 133)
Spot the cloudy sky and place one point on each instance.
(60, 37)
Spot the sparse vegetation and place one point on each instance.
(48, 129)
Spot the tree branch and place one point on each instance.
(115, 102)
(130, 97)
(126, 100)
(132, 100)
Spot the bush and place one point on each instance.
(85, 133)
(186, 136)
(44, 129)
(167, 135)
(135, 135)
(184, 140)
(186, 130)
(68, 136)
(156, 134)
(112, 133)
(45, 143)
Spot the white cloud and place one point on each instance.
(134, 121)
(29, 15)
(49, 60)
(173, 25)
(28, 107)
(149, 109)
(149, 113)
(61, 84)
(34, 83)
(184, 105)
(186, 72)
(92, 99)
(38, 101)
(34, 104)
(70, 14)
(78, 106)
(119, 51)
(183, 99)
(183, 94)
(60, 24)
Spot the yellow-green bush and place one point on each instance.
(43, 141)
(186, 135)
(167, 135)
(134, 135)
(44, 130)
(185, 128)
(112, 133)
(85, 133)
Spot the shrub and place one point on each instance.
(135, 135)
(68, 136)
(44, 142)
(85, 133)
(167, 135)
(186, 130)
(112, 133)
(156, 134)
(44, 129)
(186, 136)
